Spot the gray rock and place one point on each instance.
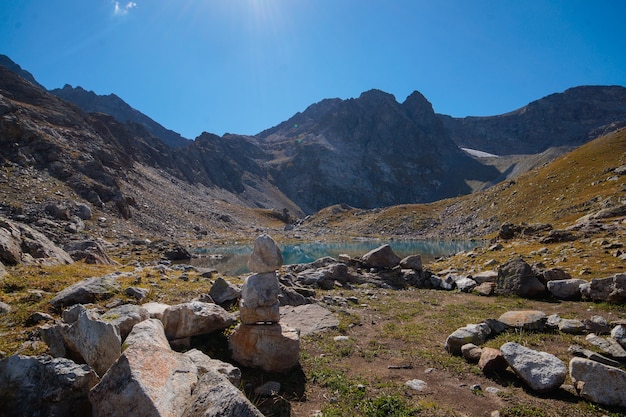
(149, 332)
(486, 289)
(598, 383)
(137, 293)
(195, 318)
(381, 257)
(524, 319)
(87, 291)
(552, 323)
(205, 364)
(214, 396)
(619, 334)
(271, 347)
(309, 318)
(83, 211)
(541, 371)
(571, 326)
(70, 315)
(472, 333)
(52, 335)
(38, 317)
(290, 296)
(96, 341)
(465, 284)
(608, 345)
(412, 262)
(597, 325)
(566, 289)
(223, 291)
(146, 381)
(417, 385)
(610, 289)
(89, 251)
(125, 317)
(268, 389)
(485, 276)
(581, 352)
(554, 274)
(260, 290)
(266, 256)
(496, 326)
(44, 386)
(517, 277)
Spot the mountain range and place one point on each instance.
(366, 152)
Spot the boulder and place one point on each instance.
(87, 291)
(486, 289)
(524, 319)
(149, 332)
(491, 360)
(619, 334)
(215, 396)
(541, 371)
(271, 347)
(125, 317)
(44, 386)
(266, 256)
(97, 342)
(309, 318)
(566, 289)
(10, 238)
(223, 291)
(517, 277)
(472, 333)
(598, 383)
(465, 284)
(411, 262)
(553, 274)
(571, 326)
(254, 315)
(610, 289)
(137, 293)
(290, 296)
(146, 381)
(195, 318)
(608, 345)
(260, 290)
(381, 257)
(581, 352)
(485, 276)
(597, 325)
(83, 211)
(205, 364)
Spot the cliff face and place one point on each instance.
(368, 152)
(571, 118)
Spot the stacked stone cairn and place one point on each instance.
(260, 341)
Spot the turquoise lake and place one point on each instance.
(232, 260)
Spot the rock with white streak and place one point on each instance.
(146, 381)
(598, 383)
(541, 371)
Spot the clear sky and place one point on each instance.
(242, 66)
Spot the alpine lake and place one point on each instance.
(231, 260)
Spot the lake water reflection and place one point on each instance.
(232, 260)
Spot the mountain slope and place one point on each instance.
(368, 152)
(570, 118)
(111, 104)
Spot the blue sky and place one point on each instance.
(242, 66)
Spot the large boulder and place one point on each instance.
(89, 251)
(309, 318)
(381, 257)
(598, 383)
(541, 371)
(195, 318)
(97, 342)
(266, 256)
(610, 289)
(215, 396)
(146, 381)
(223, 291)
(149, 332)
(125, 317)
(517, 277)
(271, 347)
(204, 363)
(41, 386)
(87, 291)
(18, 240)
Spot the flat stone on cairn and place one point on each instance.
(260, 341)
